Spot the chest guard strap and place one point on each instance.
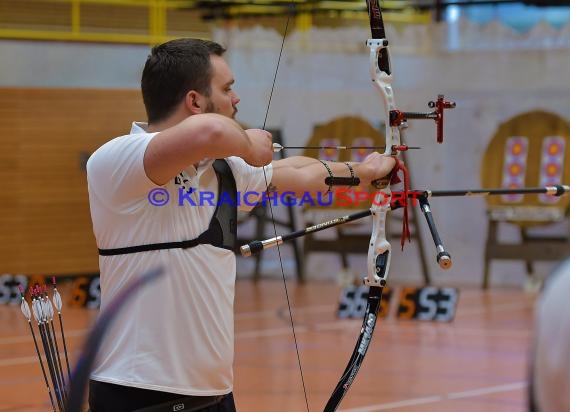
(222, 231)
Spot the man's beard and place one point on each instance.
(210, 108)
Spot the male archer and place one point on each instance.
(180, 350)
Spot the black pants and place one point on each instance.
(107, 397)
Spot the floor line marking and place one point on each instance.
(440, 398)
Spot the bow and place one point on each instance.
(82, 370)
(379, 252)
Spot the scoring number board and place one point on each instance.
(428, 303)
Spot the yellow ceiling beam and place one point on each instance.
(251, 6)
(157, 24)
(303, 5)
(401, 16)
(303, 21)
(75, 16)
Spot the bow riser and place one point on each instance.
(379, 250)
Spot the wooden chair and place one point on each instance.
(353, 237)
(530, 149)
(262, 221)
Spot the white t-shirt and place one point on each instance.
(175, 335)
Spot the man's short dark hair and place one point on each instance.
(173, 69)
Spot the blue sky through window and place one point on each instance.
(519, 17)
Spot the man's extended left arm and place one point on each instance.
(303, 175)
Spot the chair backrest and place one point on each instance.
(528, 150)
(349, 131)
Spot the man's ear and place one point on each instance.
(194, 102)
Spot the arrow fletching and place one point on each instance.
(56, 297)
(24, 306)
(36, 308)
(49, 308)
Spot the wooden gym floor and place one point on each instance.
(476, 363)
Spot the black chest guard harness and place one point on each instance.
(222, 230)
